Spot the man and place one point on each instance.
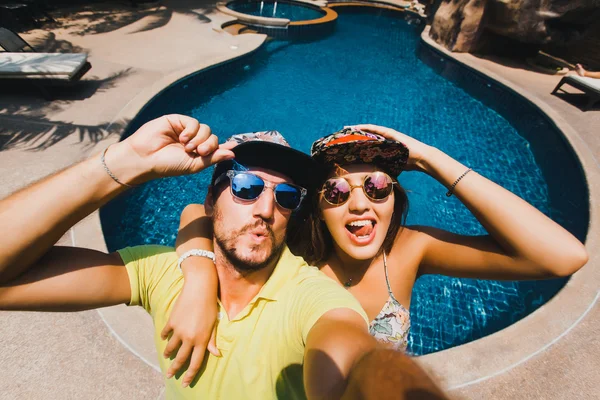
(286, 330)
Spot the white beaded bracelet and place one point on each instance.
(196, 252)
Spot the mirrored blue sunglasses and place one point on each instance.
(248, 187)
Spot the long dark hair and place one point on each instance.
(308, 236)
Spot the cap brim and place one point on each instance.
(296, 165)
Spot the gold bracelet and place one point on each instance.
(450, 191)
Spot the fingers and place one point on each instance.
(195, 135)
(229, 145)
(182, 356)
(200, 163)
(212, 344)
(195, 363)
(387, 133)
(172, 345)
(199, 138)
(164, 334)
(184, 127)
(208, 146)
(372, 128)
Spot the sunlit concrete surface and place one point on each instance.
(108, 354)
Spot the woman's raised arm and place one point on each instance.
(190, 328)
(523, 243)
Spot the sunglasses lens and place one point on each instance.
(336, 191)
(288, 196)
(247, 186)
(378, 185)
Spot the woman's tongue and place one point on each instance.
(359, 231)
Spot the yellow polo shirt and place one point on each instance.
(263, 346)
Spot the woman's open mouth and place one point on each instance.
(361, 231)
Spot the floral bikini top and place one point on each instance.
(392, 324)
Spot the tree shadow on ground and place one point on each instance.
(106, 17)
(48, 43)
(24, 114)
(40, 133)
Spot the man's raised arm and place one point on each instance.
(342, 361)
(33, 275)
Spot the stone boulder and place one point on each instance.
(457, 24)
(465, 25)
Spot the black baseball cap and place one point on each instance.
(270, 150)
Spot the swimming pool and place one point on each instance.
(276, 9)
(372, 69)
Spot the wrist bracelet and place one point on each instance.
(195, 252)
(450, 191)
(103, 161)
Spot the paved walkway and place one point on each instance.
(134, 52)
(77, 356)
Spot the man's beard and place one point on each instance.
(227, 245)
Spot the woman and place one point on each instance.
(583, 72)
(355, 235)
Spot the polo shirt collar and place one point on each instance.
(286, 268)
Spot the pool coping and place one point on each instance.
(484, 358)
(251, 19)
(493, 355)
(329, 15)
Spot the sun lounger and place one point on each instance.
(590, 86)
(43, 66)
(12, 42)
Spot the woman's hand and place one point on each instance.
(191, 325)
(417, 151)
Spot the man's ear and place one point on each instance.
(209, 202)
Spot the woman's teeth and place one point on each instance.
(361, 228)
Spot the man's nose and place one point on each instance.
(264, 206)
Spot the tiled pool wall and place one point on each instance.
(297, 32)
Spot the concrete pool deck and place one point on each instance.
(108, 354)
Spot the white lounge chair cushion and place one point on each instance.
(50, 65)
(592, 83)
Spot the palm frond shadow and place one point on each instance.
(104, 18)
(40, 133)
(25, 123)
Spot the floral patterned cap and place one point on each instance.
(353, 146)
(264, 136)
(270, 150)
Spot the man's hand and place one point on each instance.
(42, 213)
(173, 145)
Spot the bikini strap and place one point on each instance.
(387, 279)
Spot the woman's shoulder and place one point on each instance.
(410, 242)
(412, 233)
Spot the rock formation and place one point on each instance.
(570, 27)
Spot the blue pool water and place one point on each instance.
(293, 12)
(372, 70)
